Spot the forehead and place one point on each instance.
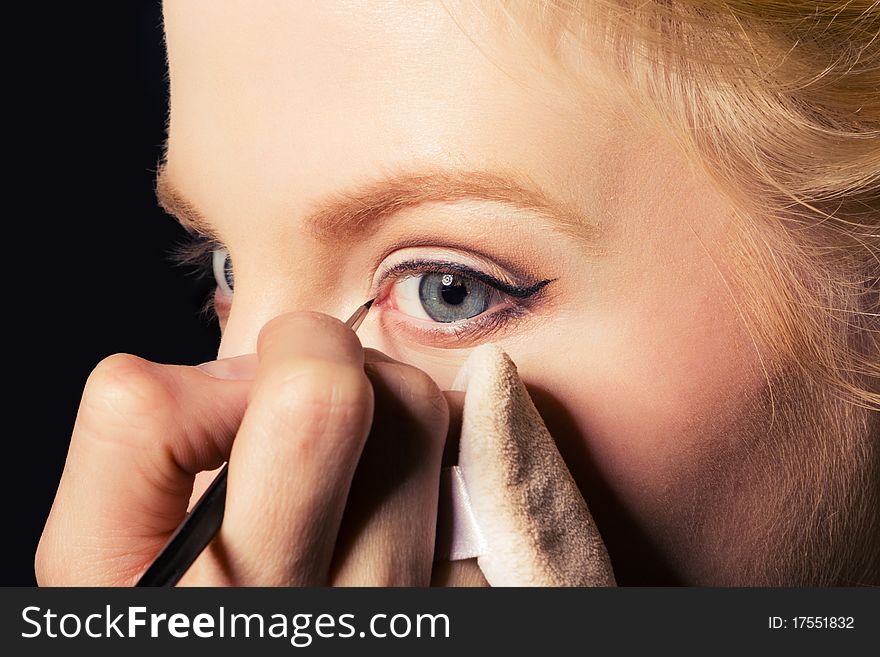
(277, 101)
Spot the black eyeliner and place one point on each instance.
(446, 267)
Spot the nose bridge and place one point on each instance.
(286, 275)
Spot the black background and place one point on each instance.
(86, 249)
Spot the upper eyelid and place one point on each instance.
(197, 250)
(421, 266)
(415, 267)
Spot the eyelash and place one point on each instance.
(197, 250)
(523, 297)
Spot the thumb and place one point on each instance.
(142, 432)
(535, 526)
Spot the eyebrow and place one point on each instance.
(361, 211)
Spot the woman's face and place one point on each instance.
(327, 145)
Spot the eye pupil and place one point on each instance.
(452, 293)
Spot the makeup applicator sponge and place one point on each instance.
(525, 516)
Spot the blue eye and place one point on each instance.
(451, 293)
(447, 297)
(223, 274)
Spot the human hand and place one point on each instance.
(311, 500)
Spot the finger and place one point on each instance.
(455, 404)
(387, 532)
(295, 453)
(142, 432)
(462, 572)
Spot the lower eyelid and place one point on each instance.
(222, 303)
(476, 328)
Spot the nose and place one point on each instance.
(251, 310)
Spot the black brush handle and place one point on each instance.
(191, 537)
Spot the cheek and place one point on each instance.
(634, 408)
(626, 387)
(657, 349)
(638, 412)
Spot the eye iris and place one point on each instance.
(223, 272)
(227, 272)
(451, 298)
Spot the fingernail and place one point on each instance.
(238, 368)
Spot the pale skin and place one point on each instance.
(634, 350)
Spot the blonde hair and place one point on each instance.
(778, 102)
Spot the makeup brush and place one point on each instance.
(202, 523)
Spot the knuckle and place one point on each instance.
(372, 355)
(417, 388)
(433, 410)
(423, 388)
(126, 389)
(322, 398)
(414, 405)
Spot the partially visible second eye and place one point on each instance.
(223, 274)
(443, 297)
